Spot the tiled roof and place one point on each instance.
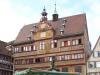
(3, 49)
(74, 25)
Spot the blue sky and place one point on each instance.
(14, 14)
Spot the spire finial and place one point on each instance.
(44, 13)
(55, 11)
(44, 9)
(55, 15)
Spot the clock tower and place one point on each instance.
(44, 29)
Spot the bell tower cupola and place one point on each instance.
(44, 15)
(55, 15)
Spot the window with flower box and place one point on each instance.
(65, 43)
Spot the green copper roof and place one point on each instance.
(41, 72)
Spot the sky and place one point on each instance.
(14, 14)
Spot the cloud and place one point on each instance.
(10, 22)
(13, 18)
(93, 16)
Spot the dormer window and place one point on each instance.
(64, 20)
(63, 25)
(61, 31)
(34, 28)
(29, 37)
(31, 32)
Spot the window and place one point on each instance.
(92, 73)
(42, 45)
(73, 57)
(31, 61)
(78, 69)
(76, 56)
(39, 60)
(67, 57)
(77, 42)
(26, 61)
(79, 56)
(25, 48)
(62, 57)
(97, 73)
(22, 49)
(65, 43)
(18, 62)
(34, 47)
(53, 43)
(97, 64)
(61, 31)
(43, 34)
(97, 54)
(65, 69)
(16, 50)
(50, 58)
(30, 48)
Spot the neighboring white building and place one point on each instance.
(93, 64)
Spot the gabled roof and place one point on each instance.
(3, 49)
(96, 44)
(74, 25)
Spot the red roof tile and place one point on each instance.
(3, 49)
(74, 25)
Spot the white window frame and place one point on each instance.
(98, 64)
(69, 43)
(42, 45)
(53, 43)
